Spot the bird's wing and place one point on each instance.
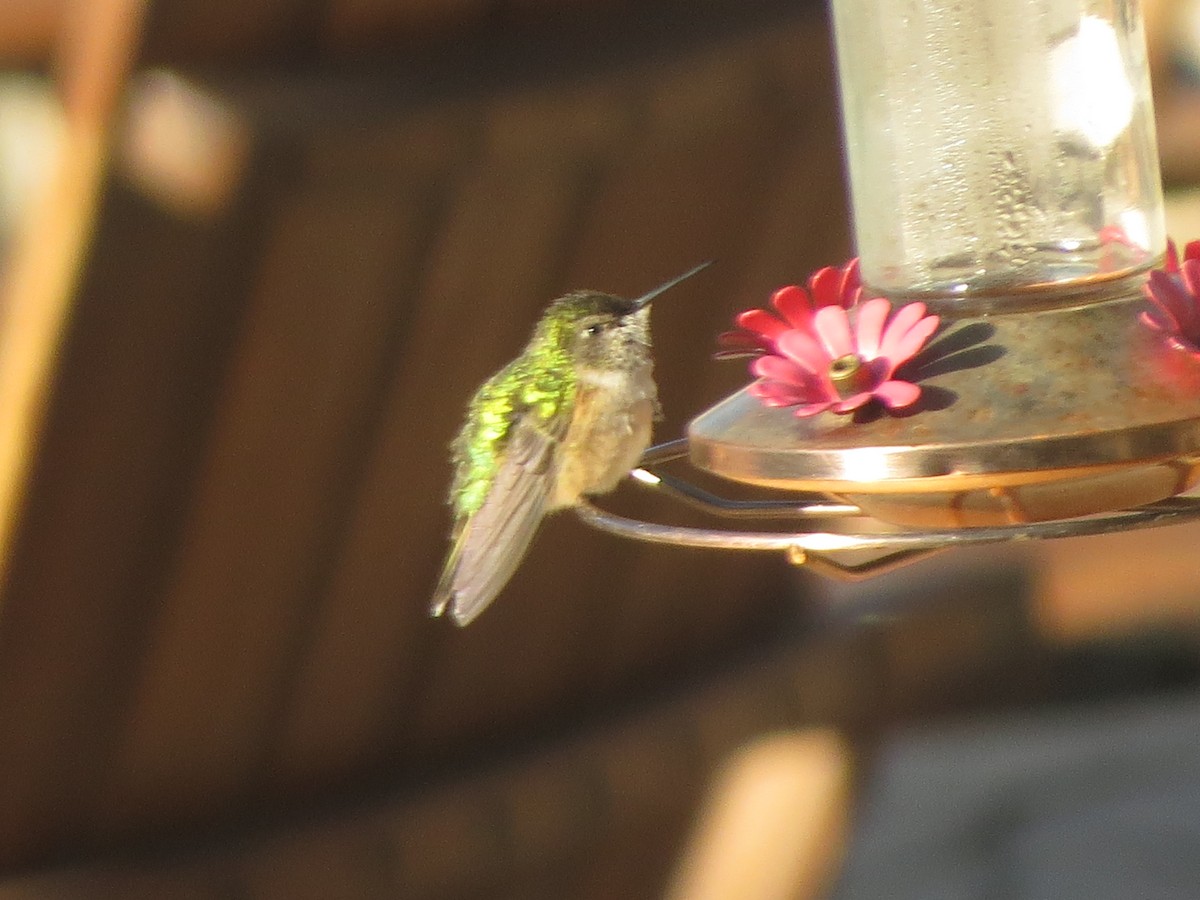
(489, 545)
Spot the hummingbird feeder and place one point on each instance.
(1004, 179)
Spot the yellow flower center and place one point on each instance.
(849, 375)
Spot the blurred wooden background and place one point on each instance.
(279, 245)
(283, 244)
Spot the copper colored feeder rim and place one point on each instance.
(1004, 397)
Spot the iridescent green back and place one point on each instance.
(539, 383)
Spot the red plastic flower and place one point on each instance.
(1191, 251)
(758, 329)
(1174, 292)
(825, 363)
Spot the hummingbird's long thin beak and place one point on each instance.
(645, 299)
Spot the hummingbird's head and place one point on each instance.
(600, 331)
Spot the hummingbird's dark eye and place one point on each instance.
(594, 329)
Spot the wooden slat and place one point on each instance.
(351, 859)
(707, 159)
(353, 25)
(489, 274)
(1088, 588)
(136, 381)
(49, 638)
(500, 236)
(28, 30)
(298, 402)
(182, 32)
(110, 883)
(98, 42)
(774, 824)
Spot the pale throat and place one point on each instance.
(608, 379)
(637, 379)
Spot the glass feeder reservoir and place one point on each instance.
(998, 148)
(1003, 171)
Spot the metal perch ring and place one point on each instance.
(818, 549)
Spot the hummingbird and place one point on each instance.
(568, 418)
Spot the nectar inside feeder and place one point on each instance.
(1004, 178)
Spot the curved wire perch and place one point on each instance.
(698, 498)
(705, 501)
(1165, 512)
(832, 568)
(817, 549)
